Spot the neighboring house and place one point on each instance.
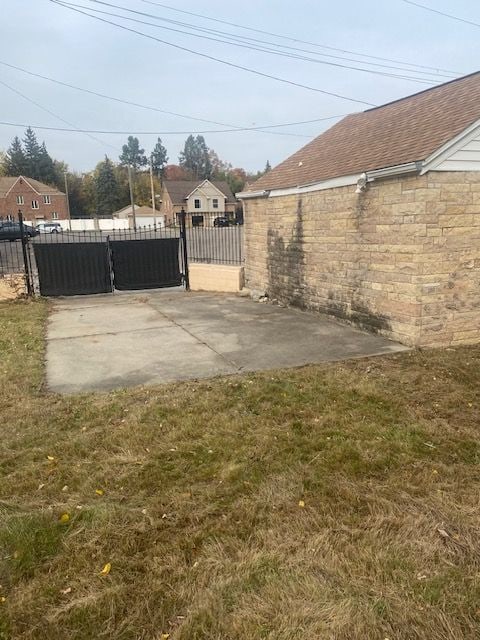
(202, 201)
(37, 201)
(378, 219)
(144, 216)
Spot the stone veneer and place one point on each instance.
(402, 258)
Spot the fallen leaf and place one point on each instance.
(301, 503)
(65, 488)
(106, 569)
(99, 492)
(40, 486)
(51, 458)
(443, 533)
(165, 636)
(2, 599)
(66, 591)
(64, 518)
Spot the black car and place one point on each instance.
(11, 231)
(221, 221)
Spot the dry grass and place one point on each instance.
(200, 515)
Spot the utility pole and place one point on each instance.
(153, 193)
(130, 184)
(68, 202)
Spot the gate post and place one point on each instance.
(26, 264)
(183, 235)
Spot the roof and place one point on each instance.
(7, 182)
(139, 211)
(400, 132)
(179, 190)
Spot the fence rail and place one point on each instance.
(206, 238)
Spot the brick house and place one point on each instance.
(202, 201)
(37, 201)
(377, 220)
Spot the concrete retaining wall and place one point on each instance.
(216, 277)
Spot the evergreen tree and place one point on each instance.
(46, 166)
(195, 157)
(33, 154)
(159, 158)
(15, 162)
(268, 167)
(106, 188)
(132, 154)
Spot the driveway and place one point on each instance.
(103, 342)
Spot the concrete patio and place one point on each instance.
(103, 342)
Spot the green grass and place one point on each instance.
(200, 517)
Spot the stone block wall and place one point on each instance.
(402, 258)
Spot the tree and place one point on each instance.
(33, 155)
(3, 161)
(268, 167)
(132, 154)
(46, 167)
(195, 157)
(174, 172)
(106, 188)
(15, 162)
(159, 158)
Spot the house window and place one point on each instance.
(20, 200)
(35, 204)
(9, 218)
(54, 215)
(197, 203)
(46, 200)
(215, 203)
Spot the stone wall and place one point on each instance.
(402, 259)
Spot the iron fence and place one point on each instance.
(214, 238)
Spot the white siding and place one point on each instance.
(206, 194)
(467, 158)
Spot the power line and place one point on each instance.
(151, 108)
(442, 13)
(243, 45)
(292, 39)
(246, 42)
(215, 59)
(55, 115)
(166, 133)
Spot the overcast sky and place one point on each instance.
(53, 41)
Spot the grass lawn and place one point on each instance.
(335, 502)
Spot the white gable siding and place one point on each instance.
(467, 158)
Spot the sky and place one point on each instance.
(57, 42)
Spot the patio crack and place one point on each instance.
(195, 337)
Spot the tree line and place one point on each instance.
(105, 189)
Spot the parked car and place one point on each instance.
(11, 231)
(221, 221)
(49, 227)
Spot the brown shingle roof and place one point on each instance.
(7, 182)
(180, 189)
(407, 130)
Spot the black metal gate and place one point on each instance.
(80, 263)
(145, 264)
(72, 269)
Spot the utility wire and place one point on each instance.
(180, 115)
(55, 115)
(164, 133)
(249, 40)
(442, 13)
(215, 59)
(292, 39)
(250, 47)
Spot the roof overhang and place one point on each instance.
(333, 183)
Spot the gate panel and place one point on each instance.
(146, 264)
(71, 269)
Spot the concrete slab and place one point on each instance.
(97, 343)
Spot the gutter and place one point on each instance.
(246, 195)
